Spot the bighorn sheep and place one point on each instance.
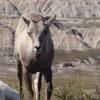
(8, 93)
(34, 52)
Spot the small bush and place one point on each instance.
(72, 92)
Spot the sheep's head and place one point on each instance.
(37, 30)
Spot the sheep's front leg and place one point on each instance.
(28, 83)
(48, 79)
(37, 85)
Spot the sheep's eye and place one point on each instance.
(45, 31)
(29, 33)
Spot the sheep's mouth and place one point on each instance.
(38, 51)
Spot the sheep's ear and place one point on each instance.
(51, 20)
(26, 21)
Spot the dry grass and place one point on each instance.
(72, 88)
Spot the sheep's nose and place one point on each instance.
(37, 47)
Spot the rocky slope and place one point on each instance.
(76, 17)
(70, 35)
(62, 8)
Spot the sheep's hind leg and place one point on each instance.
(20, 78)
